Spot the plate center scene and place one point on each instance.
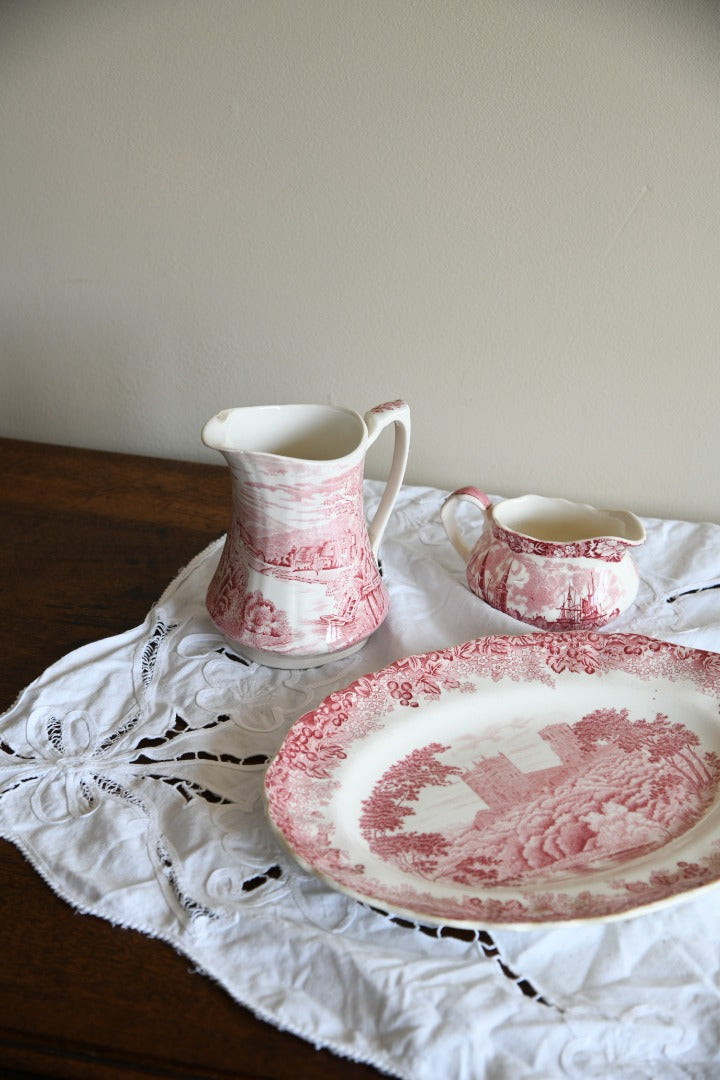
(548, 800)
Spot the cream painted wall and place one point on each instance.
(505, 211)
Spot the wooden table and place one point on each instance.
(89, 541)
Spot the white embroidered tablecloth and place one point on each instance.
(131, 776)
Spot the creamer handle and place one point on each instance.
(447, 513)
(397, 413)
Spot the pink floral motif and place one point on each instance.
(333, 711)
(428, 675)
(389, 406)
(402, 692)
(604, 548)
(571, 653)
(311, 753)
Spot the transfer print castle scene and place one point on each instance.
(558, 799)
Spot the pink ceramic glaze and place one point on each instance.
(553, 563)
(298, 582)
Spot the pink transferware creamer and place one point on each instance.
(298, 583)
(555, 564)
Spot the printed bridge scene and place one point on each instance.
(618, 788)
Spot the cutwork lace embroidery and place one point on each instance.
(131, 775)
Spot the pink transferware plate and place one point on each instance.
(515, 782)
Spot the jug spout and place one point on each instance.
(217, 433)
(630, 531)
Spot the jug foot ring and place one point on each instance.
(290, 662)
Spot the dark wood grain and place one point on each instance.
(88, 542)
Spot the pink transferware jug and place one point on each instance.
(555, 564)
(298, 582)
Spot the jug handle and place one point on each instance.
(447, 514)
(376, 420)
